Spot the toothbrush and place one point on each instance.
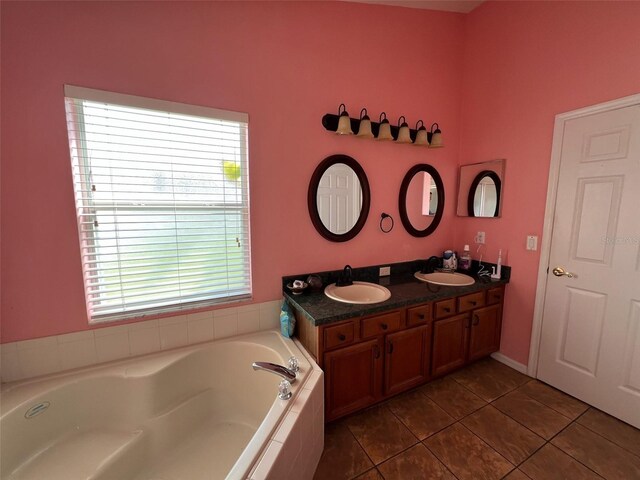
(497, 272)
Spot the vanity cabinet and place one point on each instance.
(370, 358)
(471, 333)
(387, 358)
(406, 359)
(355, 377)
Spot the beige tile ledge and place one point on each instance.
(47, 355)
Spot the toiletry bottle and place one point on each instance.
(465, 259)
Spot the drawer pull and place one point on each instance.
(342, 337)
(384, 326)
(421, 316)
(447, 309)
(473, 302)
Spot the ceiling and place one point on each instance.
(460, 6)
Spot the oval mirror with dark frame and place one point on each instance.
(421, 200)
(338, 198)
(484, 195)
(480, 189)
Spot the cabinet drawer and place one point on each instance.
(418, 315)
(494, 295)
(339, 335)
(471, 301)
(381, 324)
(445, 308)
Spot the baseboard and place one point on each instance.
(509, 362)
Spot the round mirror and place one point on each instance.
(338, 198)
(484, 195)
(421, 200)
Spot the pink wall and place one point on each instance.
(283, 63)
(524, 63)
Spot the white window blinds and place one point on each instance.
(162, 203)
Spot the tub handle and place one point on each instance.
(284, 390)
(293, 364)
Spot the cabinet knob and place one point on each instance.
(473, 302)
(421, 316)
(476, 320)
(384, 326)
(447, 309)
(390, 347)
(376, 351)
(342, 337)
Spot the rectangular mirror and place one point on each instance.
(480, 189)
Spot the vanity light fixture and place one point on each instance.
(384, 132)
(364, 130)
(404, 136)
(436, 137)
(344, 122)
(421, 135)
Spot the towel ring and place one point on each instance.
(382, 219)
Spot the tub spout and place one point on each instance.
(276, 369)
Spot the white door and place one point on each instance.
(339, 198)
(590, 339)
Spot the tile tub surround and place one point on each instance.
(43, 356)
(404, 287)
(296, 446)
(424, 433)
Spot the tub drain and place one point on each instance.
(36, 410)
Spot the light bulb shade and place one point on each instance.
(404, 135)
(344, 125)
(436, 137)
(421, 138)
(384, 133)
(365, 128)
(344, 122)
(436, 140)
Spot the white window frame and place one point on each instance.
(87, 208)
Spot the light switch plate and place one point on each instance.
(385, 271)
(532, 242)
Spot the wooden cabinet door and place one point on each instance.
(354, 377)
(450, 337)
(485, 332)
(406, 359)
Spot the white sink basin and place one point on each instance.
(361, 293)
(446, 278)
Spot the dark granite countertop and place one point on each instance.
(406, 290)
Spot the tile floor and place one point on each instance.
(486, 421)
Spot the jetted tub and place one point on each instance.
(199, 412)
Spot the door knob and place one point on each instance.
(559, 272)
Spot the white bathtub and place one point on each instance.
(198, 412)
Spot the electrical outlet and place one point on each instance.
(480, 238)
(532, 242)
(385, 271)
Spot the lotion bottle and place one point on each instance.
(465, 259)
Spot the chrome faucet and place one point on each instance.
(276, 369)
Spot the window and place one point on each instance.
(162, 203)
